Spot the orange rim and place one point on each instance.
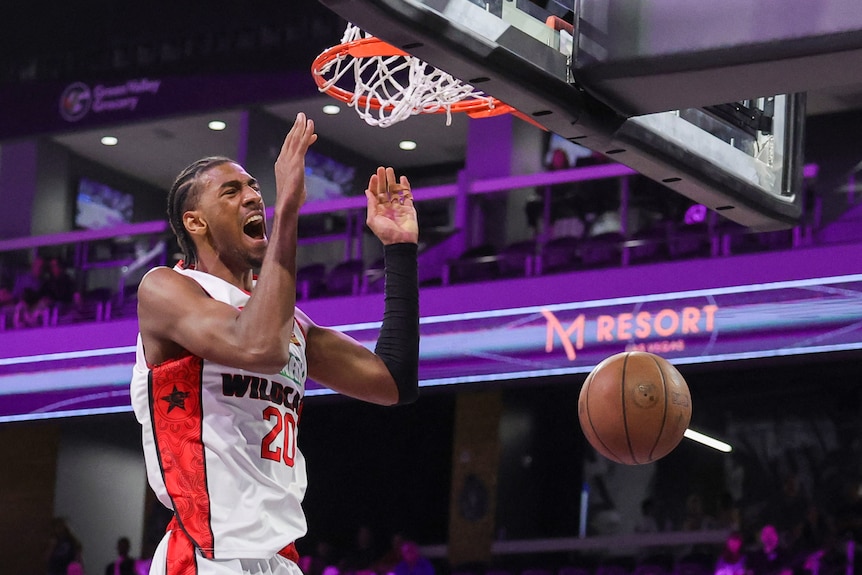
(372, 47)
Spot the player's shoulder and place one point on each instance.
(162, 280)
(161, 274)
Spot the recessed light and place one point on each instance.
(331, 109)
(407, 145)
(109, 140)
(217, 125)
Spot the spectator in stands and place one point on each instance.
(771, 558)
(599, 200)
(566, 214)
(123, 564)
(788, 508)
(813, 533)
(412, 562)
(364, 552)
(64, 548)
(31, 310)
(7, 298)
(830, 559)
(566, 218)
(31, 280)
(387, 562)
(316, 563)
(31, 307)
(7, 306)
(732, 559)
(7, 278)
(58, 285)
(728, 515)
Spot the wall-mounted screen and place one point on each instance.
(325, 178)
(100, 206)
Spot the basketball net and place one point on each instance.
(390, 85)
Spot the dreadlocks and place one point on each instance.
(184, 196)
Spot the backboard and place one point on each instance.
(742, 159)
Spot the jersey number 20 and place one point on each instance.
(269, 447)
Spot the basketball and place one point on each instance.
(634, 407)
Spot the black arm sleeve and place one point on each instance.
(398, 342)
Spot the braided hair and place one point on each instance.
(183, 197)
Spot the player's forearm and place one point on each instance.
(398, 342)
(269, 315)
(267, 319)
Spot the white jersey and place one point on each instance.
(220, 444)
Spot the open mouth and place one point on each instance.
(254, 227)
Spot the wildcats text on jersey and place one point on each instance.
(237, 385)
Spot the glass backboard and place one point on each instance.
(742, 159)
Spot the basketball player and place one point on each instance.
(222, 360)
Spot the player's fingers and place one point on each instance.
(372, 205)
(299, 124)
(382, 185)
(408, 191)
(372, 189)
(401, 192)
(296, 131)
(310, 136)
(391, 186)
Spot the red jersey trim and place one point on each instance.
(176, 412)
(180, 559)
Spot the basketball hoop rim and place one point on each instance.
(371, 47)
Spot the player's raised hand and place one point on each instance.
(290, 165)
(391, 215)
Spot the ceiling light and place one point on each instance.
(109, 140)
(708, 441)
(331, 109)
(407, 145)
(217, 125)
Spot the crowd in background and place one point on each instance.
(798, 541)
(403, 557)
(365, 557)
(30, 295)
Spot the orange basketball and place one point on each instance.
(634, 407)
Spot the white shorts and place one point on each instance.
(276, 565)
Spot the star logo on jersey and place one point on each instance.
(176, 398)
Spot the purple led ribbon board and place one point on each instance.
(775, 319)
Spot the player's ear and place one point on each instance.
(194, 222)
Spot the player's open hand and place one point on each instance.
(391, 215)
(290, 165)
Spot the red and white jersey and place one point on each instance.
(220, 444)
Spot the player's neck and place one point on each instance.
(239, 277)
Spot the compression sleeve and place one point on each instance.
(398, 342)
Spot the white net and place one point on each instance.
(390, 89)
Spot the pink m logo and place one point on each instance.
(554, 325)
